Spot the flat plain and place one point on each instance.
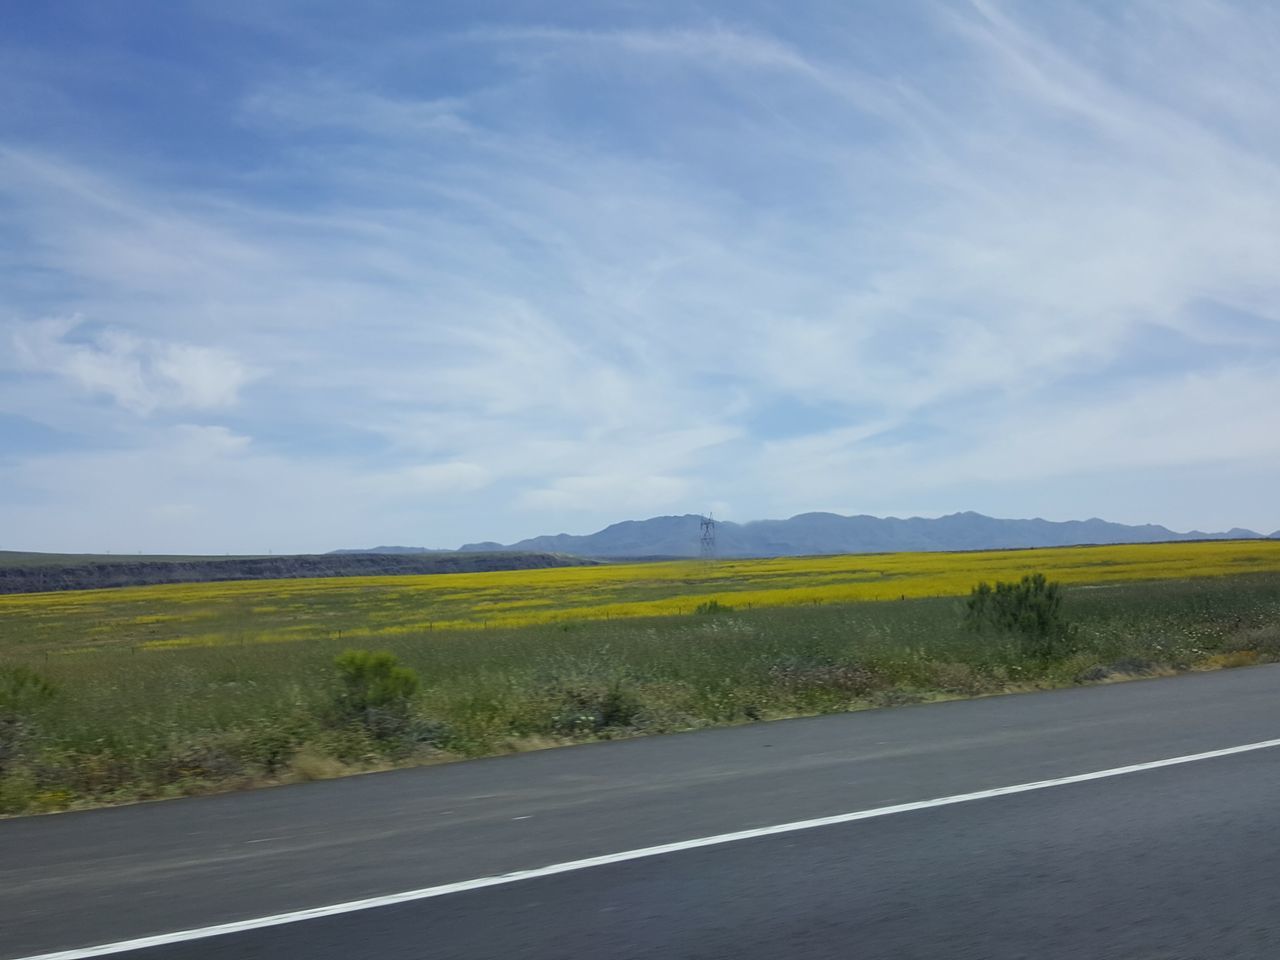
(362, 609)
(169, 690)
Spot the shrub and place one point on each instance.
(590, 709)
(376, 692)
(1029, 610)
(1264, 641)
(22, 691)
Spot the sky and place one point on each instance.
(300, 276)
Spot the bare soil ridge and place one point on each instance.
(93, 572)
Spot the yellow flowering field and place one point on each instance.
(360, 608)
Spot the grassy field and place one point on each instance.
(161, 691)
(373, 610)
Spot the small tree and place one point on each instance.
(375, 691)
(1029, 610)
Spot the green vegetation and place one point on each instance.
(367, 611)
(22, 693)
(376, 693)
(1029, 610)
(118, 723)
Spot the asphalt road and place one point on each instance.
(1178, 862)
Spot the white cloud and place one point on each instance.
(1147, 426)
(200, 377)
(141, 375)
(430, 479)
(624, 493)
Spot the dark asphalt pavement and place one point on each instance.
(1178, 862)
(1175, 863)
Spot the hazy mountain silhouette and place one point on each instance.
(818, 533)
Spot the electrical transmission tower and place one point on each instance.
(708, 537)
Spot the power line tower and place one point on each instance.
(708, 537)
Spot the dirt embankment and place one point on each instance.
(94, 574)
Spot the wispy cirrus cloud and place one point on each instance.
(548, 272)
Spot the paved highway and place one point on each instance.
(1172, 862)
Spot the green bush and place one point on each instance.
(376, 692)
(1030, 611)
(22, 692)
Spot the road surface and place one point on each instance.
(1171, 862)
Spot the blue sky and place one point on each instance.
(296, 276)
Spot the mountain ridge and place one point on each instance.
(830, 533)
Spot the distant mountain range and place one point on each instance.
(819, 533)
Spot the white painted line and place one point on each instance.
(426, 893)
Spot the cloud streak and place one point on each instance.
(508, 277)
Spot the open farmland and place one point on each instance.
(374, 609)
(167, 690)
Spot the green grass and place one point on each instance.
(131, 723)
(372, 609)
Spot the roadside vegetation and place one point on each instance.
(116, 721)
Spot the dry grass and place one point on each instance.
(134, 722)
